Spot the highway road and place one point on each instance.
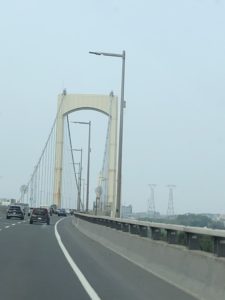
(58, 262)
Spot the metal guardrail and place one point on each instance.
(194, 238)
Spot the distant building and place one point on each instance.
(126, 211)
(6, 202)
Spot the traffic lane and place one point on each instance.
(4, 222)
(3, 211)
(112, 276)
(33, 266)
(8, 222)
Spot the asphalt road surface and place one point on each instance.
(37, 264)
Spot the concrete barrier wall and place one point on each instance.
(200, 274)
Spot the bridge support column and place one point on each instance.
(107, 223)
(192, 241)
(125, 227)
(219, 246)
(155, 233)
(134, 229)
(58, 154)
(118, 226)
(145, 231)
(171, 236)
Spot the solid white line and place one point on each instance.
(88, 288)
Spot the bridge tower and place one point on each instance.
(107, 105)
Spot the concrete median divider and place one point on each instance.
(199, 274)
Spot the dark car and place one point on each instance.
(62, 212)
(15, 211)
(40, 215)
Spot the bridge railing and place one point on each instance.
(194, 238)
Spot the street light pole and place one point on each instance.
(78, 189)
(83, 180)
(80, 175)
(88, 161)
(120, 148)
(88, 164)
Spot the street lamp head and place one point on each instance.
(82, 122)
(96, 53)
(108, 54)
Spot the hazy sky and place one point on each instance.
(174, 122)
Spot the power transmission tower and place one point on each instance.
(151, 201)
(170, 209)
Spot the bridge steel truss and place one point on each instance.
(105, 104)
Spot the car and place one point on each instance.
(62, 212)
(57, 210)
(47, 207)
(15, 211)
(40, 215)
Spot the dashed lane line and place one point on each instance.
(13, 224)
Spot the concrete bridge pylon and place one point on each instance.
(106, 104)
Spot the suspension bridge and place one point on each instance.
(94, 254)
(56, 178)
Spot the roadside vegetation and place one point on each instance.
(195, 220)
(206, 243)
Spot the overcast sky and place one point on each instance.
(174, 122)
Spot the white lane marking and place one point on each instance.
(88, 288)
(13, 224)
(18, 222)
(7, 226)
